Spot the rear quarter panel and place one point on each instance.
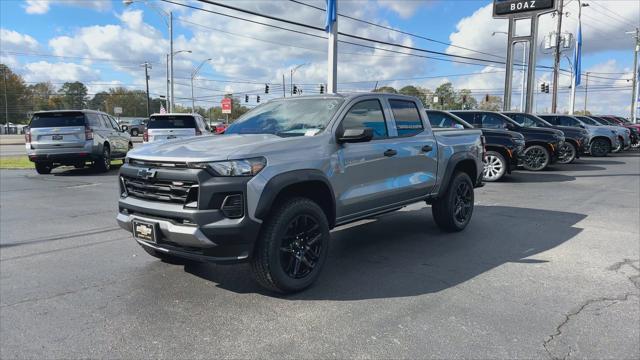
(454, 145)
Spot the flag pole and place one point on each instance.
(332, 62)
(577, 61)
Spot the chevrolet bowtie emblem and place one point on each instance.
(146, 173)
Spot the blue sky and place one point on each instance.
(104, 42)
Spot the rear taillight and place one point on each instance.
(145, 135)
(27, 136)
(88, 133)
(483, 141)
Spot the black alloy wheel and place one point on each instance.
(536, 158)
(463, 203)
(301, 247)
(600, 147)
(453, 210)
(567, 153)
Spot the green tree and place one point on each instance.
(74, 95)
(17, 104)
(40, 95)
(491, 103)
(446, 96)
(386, 89)
(465, 100)
(411, 90)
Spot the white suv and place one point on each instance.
(174, 126)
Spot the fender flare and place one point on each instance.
(277, 183)
(448, 172)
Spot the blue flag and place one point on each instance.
(332, 15)
(577, 57)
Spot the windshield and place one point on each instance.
(171, 122)
(295, 117)
(60, 119)
(603, 121)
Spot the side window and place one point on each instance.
(112, 122)
(407, 117)
(550, 119)
(567, 121)
(468, 117)
(490, 121)
(440, 120)
(367, 114)
(523, 120)
(93, 120)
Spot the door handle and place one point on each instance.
(427, 148)
(390, 153)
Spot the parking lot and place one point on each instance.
(548, 267)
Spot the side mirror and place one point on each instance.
(355, 135)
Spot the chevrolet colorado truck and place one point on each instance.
(271, 188)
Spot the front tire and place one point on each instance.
(103, 163)
(44, 168)
(292, 248)
(495, 166)
(619, 146)
(567, 153)
(452, 212)
(600, 147)
(536, 158)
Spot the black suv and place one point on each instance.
(542, 145)
(576, 140)
(504, 148)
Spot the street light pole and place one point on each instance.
(556, 60)
(572, 104)
(636, 72)
(293, 70)
(193, 75)
(170, 80)
(586, 93)
(147, 66)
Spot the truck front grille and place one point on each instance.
(170, 191)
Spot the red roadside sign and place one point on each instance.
(226, 106)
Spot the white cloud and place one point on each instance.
(58, 72)
(14, 41)
(42, 6)
(405, 9)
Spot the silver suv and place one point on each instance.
(74, 137)
(269, 190)
(174, 126)
(135, 127)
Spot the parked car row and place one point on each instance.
(536, 141)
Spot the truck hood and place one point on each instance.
(204, 148)
(539, 131)
(503, 133)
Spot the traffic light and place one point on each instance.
(546, 88)
(246, 98)
(258, 98)
(321, 89)
(486, 98)
(295, 89)
(542, 88)
(266, 88)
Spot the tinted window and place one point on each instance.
(408, 121)
(171, 122)
(466, 116)
(367, 114)
(114, 123)
(440, 120)
(551, 119)
(523, 120)
(567, 121)
(492, 121)
(57, 119)
(94, 121)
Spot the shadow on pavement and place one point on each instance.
(535, 177)
(405, 254)
(88, 170)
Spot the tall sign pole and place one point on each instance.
(332, 29)
(636, 75)
(556, 58)
(521, 11)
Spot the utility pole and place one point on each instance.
(332, 61)
(6, 108)
(586, 93)
(284, 91)
(168, 81)
(147, 66)
(556, 59)
(636, 72)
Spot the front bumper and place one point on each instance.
(203, 233)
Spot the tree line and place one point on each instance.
(23, 99)
(446, 97)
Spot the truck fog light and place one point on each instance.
(233, 206)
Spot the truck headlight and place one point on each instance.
(243, 167)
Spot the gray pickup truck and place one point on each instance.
(283, 175)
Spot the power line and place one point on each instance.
(617, 17)
(398, 30)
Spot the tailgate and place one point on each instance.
(169, 134)
(57, 137)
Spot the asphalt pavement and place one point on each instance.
(19, 149)
(548, 268)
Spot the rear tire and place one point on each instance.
(536, 158)
(103, 163)
(600, 147)
(44, 168)
(452, 212)
(495, 166)
(567, 153)
(292, 248)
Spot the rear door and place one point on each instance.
(57, 130)
(118, 136)
(169, 127)
(415, 165)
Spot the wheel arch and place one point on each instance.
(459, 162)
(311, 184)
